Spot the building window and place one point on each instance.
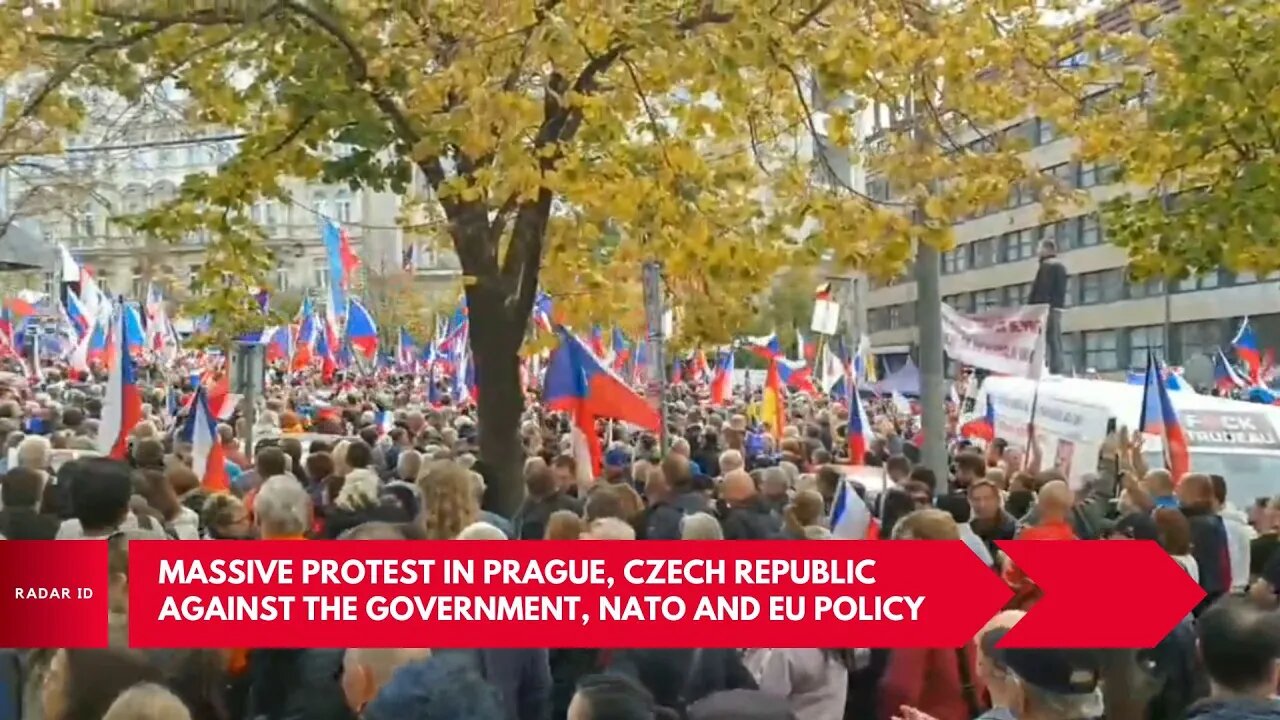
(1063, 174)
(1144, 339)
(342, 206)
(1048, 133)
(320, 204)
(139, 284)
(984, 252)
(1019, 245)
(1020, 194)
(964, 302)
(194, 271)
(87, 222)
(1090, 231)
(271, 216)
(894, 316)
(1066, 233)
(1100, 350)
(1092, 175)
(1091, 288)
(986, 299)
(1148, 288)
(1198, 338)
(878, 189)
(962, 258)
(1207, 281)
(1073, 292)
(320, 275)
(1017, 294)
(282, 278)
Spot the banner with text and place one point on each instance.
(1008, 341)
(547, 594)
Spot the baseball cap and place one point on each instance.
(1061, 671)
(617, 457)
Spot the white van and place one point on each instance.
(1234, 439)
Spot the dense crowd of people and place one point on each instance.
(344, 475)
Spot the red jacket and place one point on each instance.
(928, 679)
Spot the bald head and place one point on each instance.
(365, 671)
(738, 487)
(1055, 501)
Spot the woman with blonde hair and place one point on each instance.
(564, 525)
(448, 500)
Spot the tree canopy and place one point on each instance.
(1206, 151)
(561, 143)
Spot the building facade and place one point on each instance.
(1110, 320)
(116, 168)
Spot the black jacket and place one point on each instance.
(662, 519)
(21, 523)
(297, 685)
(674, 681)
(1209, 548)
(531, 519)
(521, 676)
(1050, 284)
(751, 522)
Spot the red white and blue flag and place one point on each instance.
(122, 405)
(208, 458)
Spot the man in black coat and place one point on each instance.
(1050, 288)
(20, 492)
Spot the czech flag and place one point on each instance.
(406, 350)
(208, 459)
(722, 380)
(858, 430)
(361, 330)
(1225, 377)
(1246, 347)
(304, 350)
(77, 313)
(597, 342)
(122, 406)
(851, 519)
(1159, 418)
(983, 428)
(773, 409)
(621, 351)
(580, 383)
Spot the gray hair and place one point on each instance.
(700, 526)
(282, 507)
(481, 531)
(375, 530)
(609, 529)
(775, 476)
(147, 701)
(34, 452)
(359, 490)
(730, 460)
(408, 459)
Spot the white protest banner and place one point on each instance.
(1008, 341)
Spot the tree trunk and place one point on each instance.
(495, 345)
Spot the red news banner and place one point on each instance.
(619, 594)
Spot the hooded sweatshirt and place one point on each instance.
(1240, 536)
